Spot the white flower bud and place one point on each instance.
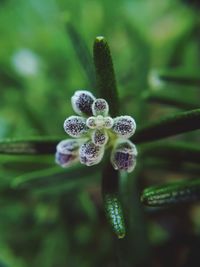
(68, 151)
(91, 122)
(75, 126)
(65, 160)
(123, 156)
(99, 137)
(124, 126)
(82, 102)
(90, 154)
(100, 107)
(68, 146)
(108, 122)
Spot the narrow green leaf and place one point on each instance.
(29, 146)
(173, 193)
(169, 126)
(52, 176)
(114, 214)
(180, 78)
(178, 151)
(67, 183)
(170, 165)
(170, 100)
(111, 200)
(105, 76)
(35, 177)
(82, 53)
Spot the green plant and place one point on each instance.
(120, 191)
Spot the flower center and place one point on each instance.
(99, 122)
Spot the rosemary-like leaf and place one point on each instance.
(172, 193)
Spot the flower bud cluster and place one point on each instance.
(93, 131)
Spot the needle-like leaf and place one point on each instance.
(173, 193)
(29, 146)
(106, 82)
(172, 125)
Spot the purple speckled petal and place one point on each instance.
(100, 107)
(90, 154)
(99, 137)
(82, 102)
(123, 156)
(65, 160)
(75, 126)
(124, 126)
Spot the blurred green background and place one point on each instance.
(60, 221)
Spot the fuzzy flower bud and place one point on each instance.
(100, 107)
(123, 156)
(124, 126)
(82, 102)
(108, 122)
(99, 137)
(90, 154)
(67, 152)
(75, 126)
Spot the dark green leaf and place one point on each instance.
(106, 83)
(178, 151)
(112, 204)
(52, 176)
(169, 126)
(173, 193)
(180, 78)
(29, 146)
(171, 100)
(65, 183)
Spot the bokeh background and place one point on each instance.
(61, 221)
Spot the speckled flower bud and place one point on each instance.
(90, 154)
(75, 126)
(123, 156)
(99, 137)
(69, 146)
(65, 160)
(124, 126)
(91, 122)
(67, 152)
(100, 107)
(82, 102)
(108, 122)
